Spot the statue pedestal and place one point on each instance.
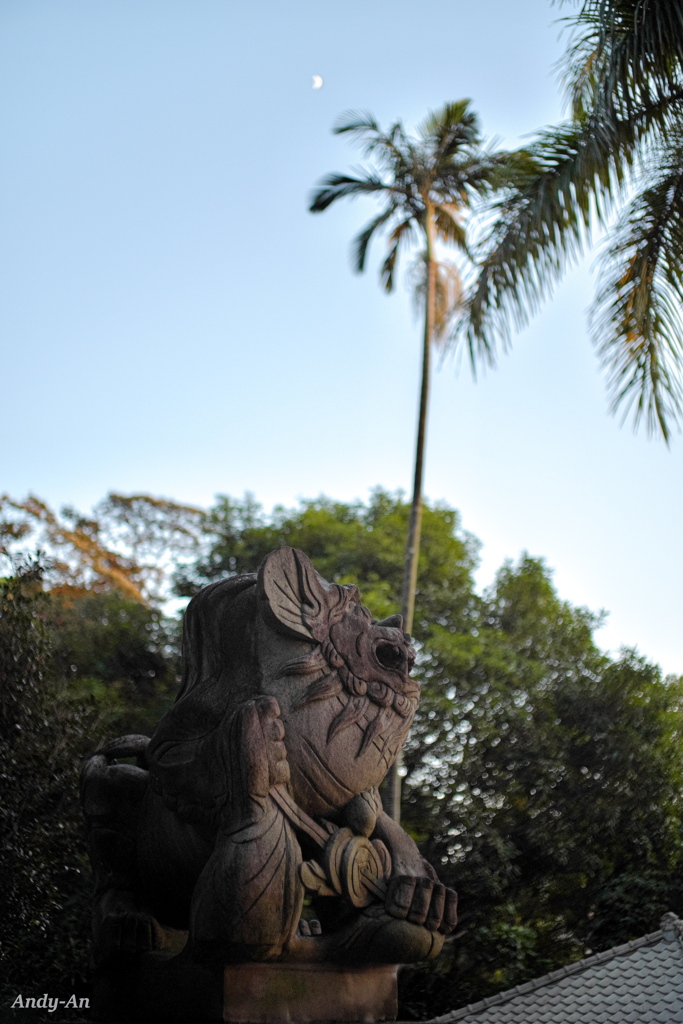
(255, 993)
(175, 990)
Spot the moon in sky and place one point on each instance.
(317, 82)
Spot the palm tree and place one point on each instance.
(618, 163)
(426, 185)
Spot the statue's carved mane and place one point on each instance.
(218, 633)
(220, 667)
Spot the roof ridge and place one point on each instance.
(672, 923)
(547, 979)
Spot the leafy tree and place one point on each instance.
(621, 149)
(121, 652)
(351, 543)
(81, 557)
(126, 543)
(44, 733)
(74, 668)
(545, 783)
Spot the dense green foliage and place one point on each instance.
(43, 734)
(74, 669)
(120, 651)
(545, 782)
(543, 777)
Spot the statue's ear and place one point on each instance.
(295, 600)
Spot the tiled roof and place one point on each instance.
(640, 982)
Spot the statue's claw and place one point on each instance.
(422, 901)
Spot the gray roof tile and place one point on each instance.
(640, 982)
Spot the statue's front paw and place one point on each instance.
(121, 927)
(422, 901)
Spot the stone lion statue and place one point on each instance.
(252, 819)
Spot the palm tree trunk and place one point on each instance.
(415, 524)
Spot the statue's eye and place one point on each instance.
(390, 656)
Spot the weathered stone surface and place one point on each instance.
(259, 788)
(308, 992)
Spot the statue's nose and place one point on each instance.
(393, 621)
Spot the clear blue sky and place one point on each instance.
(173, 320)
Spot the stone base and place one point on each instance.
(163, 991)
(265, 993)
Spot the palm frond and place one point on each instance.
(338, 186)
(470, 177)
(447, 130)
(624, 53)
(437, 121)
(401, 235)
(357, 121)
(581, 72)
(359, 246)
(389, 146)
(636, 320)
(448, 226)
(543, 222)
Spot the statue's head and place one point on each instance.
(341, 678)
